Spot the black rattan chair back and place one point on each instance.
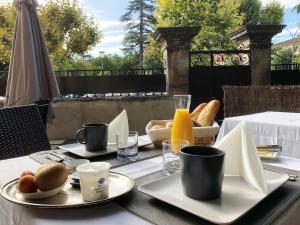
(21, 132)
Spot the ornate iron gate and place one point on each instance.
(210, 70)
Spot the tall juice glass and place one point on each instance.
(182, 126)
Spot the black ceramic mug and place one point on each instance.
(93, 136)
(202, 172)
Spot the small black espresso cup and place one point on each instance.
(93, 136)
(202, 172)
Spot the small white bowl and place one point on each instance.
(41, 194)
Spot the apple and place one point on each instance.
(26, 184)
(26, 173)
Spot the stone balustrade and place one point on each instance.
(70, 114)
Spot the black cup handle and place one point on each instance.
(81, 133)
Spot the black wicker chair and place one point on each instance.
(21, 132)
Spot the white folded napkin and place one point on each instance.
(119, 126)
(241, 157)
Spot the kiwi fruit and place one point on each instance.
(51, 176)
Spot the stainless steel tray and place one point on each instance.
(237, 196)
(119, 184)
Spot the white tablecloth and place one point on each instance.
(270, 128)
(110, 213)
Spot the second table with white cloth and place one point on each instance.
(270, 128)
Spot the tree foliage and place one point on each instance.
(252, 11)
(67, 29)
(297, 8)
(217, 19)
(153, 57)
(282, 55)
(110, 62)
(272, 13)
(255, 13)
(139, 18)
(7, 21)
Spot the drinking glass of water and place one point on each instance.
(127, 150)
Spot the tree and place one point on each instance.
(212, 16)
(110, 62)
(297, 8)
(153, 54)
(137, 31)
(68, 31)
(282, 55)
(272, 13)
(255, 13)
(252, 11)
(7, 21)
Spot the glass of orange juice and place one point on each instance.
(182, 125)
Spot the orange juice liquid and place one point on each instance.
(182, 127)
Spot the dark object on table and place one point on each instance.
(21, 132)
(74, 180)
(202, 172)
(93, 136)
(43, 106)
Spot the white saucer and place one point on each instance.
(79, 149)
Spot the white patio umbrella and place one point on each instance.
(30, 75)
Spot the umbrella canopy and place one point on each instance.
(30, 75)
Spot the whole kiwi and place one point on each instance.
(51, 176)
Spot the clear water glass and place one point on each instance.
(182, 101)
(171, 151)
(128, 150)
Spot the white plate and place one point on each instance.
(79, 149)
(237, 197)
(40, 194)
(69, 197)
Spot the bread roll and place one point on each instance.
(195, 114)
(208, 114)
(156, 126)
(169, 124)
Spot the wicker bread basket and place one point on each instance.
(203, 136)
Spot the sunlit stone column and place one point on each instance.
(176, 47)
(258, 38)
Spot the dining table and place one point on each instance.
(281, 207)
(269, 128)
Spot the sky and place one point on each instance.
(107, 14)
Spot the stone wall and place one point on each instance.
(70, 114)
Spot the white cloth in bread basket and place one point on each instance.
(202, 135)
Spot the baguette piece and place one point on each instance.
(195, 114)
(208, 114)
(169, 124)
(156, 126)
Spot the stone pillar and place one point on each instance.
(258, 38)
(176, 47)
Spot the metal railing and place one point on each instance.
(106, 83)
(289, 66)
(220, 58)
(97, 72)
(3, 74)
